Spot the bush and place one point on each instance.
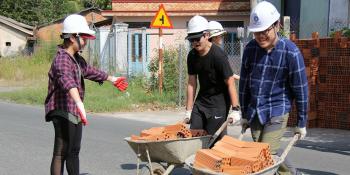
(345, 32)
(171, 70)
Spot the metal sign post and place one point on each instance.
(160, 72)
(160, 21)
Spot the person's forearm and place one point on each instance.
(74, 93)
(232, 91)
(190, 96)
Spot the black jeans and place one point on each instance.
(66, 147)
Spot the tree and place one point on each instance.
(36, 12)
(102, 4)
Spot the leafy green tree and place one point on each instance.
(36, 12)
(102, 4)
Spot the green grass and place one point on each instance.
(105, 98)
(23, 70)
(108, 98)
(29, 95)
(27, 70)
(30, 73)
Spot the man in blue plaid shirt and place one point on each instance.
(272, 76)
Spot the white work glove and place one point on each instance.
(114, 79)
(236, 77)
(187, 117)
(234, 116)
(81, 112)
(301, 131)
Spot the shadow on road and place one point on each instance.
(143, 169)
(131, 166)
(327, 140)
(314, 172)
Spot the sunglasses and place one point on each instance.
(191, 40)
(265, 32)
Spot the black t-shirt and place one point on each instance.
(211, 70)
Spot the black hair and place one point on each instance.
(66, 39)
(275, 23)
(66, 42)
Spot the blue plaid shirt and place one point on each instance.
(271, 81)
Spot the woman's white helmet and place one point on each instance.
(76, 24)
(263, 16)
(215, 29)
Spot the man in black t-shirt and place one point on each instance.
(209, 64)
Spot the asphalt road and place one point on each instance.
(26, 143)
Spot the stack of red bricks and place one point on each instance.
(169, 132)
(327, 63)
(232, 156)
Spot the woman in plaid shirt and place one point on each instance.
(64, 102)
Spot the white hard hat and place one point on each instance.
(76, 24)
(215, 29)
(196, 26)
(263, 16)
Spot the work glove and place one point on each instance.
(120, 83)
(81, 112)
(235, 76)
(301, 131)
(234, 116)
(187, 117)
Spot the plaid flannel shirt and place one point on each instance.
(64, 74)
(271, 81)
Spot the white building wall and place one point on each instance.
(338, 14)
(173, 37)
(16, 38)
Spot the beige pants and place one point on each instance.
(271, 133)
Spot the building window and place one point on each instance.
(138, 24)
(8, 44)
(231, 24)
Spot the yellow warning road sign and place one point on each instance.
(161, 20)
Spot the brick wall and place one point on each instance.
(327, 62)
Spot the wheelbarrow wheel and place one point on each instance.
(158, 169)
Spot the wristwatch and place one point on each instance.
(236, 108)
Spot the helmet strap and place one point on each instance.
(77, 37)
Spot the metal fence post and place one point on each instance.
(241, 49)
(144, 56)
(180, 76)
(129, 53)
(286, 26)
(136, 53)
(121, 47)
(115, 48)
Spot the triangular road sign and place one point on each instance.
(161, 20)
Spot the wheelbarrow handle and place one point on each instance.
(218, 132)
(244, 129)
(289, 146)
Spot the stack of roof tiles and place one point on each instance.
(169, 132)
(232, 156)
(327, 62)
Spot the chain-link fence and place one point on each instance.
(233, 50)
(234, 53)
(122, 51)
